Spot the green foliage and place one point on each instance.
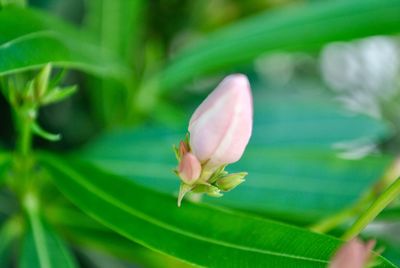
(58, 94)
(5, 162)
(117, 28)
(301, 28)
(9, 230)
(118, 194)
(42, 247)
(54, 41)
(294, 173)
(230, 239)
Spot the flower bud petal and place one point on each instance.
(221, 126)
(353, 254)
(189, 168)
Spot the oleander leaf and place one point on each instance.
(9, 230)
(5, 163)
(29, 39)
(199, 234)
(42, 248)
(295, 173)
(304, 27)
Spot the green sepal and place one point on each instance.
(214, 191)
(9, 90)
(183, 190)
(29, 91)
(219, 173)
(230, 181)
(57, 78)
(209, 189)
(58, 94)
(187, 141)
(43, 133)
(41, 81)
(176, 151)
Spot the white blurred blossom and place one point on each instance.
(364, 73)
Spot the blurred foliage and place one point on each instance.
(325, 77)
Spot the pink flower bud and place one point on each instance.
(220, 128)
(353, 254)
(189, 168)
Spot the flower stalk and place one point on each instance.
(390, 194)
(25, 139)
(331, 222)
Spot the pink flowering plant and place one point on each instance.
(294, 134)
(220, 129)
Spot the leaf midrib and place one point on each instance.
(281, 186)
(28, 36)
(39, 240)
(102, 195)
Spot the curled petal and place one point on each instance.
(221, 126)
(189, 168)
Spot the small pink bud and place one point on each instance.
(189, 168)
(221, 126)
(353, 254)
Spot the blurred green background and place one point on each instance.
(325, 79)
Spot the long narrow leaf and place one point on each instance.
(8, 232)
(294, 172)
(42, 248)
(5, 162)
(303, 27)
(198, 234)
(29, 39)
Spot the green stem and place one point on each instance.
(335, 220)
(376, 207)
(25, 139)
(23, 161)
(360, 205)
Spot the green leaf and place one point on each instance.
(8, 232)
(42, 247)
(390, 213)
(90, 234)
(294, 171)
(87, 233)
(303, 27)
(5, 162)
(53, 41)
(198, 234)
(392, 252)
(117, 27)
